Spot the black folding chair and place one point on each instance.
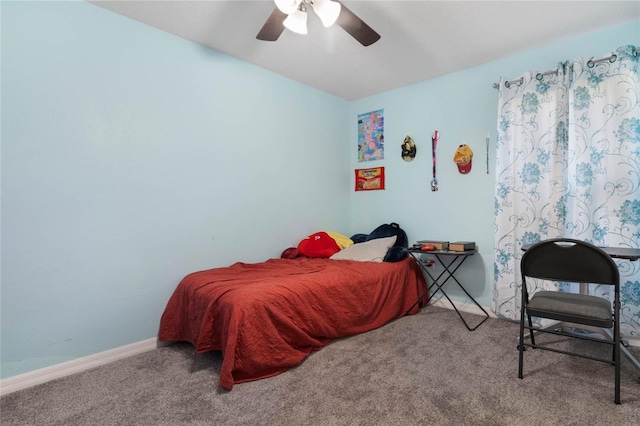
(571, 261)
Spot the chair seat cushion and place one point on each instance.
(572, 307)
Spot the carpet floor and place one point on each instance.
(421, 369)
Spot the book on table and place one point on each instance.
(462, 246)
(438, 245)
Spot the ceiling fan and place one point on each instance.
(292, 14)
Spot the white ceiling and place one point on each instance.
(420, 40)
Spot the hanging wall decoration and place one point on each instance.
(370, 179)
(371, 136)
(463, 157)
(408, 149)
(487, 143)
(434, 144)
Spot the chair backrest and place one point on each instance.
(566, 259)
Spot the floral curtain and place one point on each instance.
(568, 165)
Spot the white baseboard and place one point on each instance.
(36, 377)
(473, 309)
(633, 342)
(463, 307)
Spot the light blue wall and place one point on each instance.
(130, 158)
(462, 106)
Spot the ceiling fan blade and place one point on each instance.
(356, 27)
(273, 27)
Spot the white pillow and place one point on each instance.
(370, 251)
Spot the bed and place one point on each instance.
(268, 317)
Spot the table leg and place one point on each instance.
(450, 270)
(451, 274)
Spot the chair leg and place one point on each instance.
(616, 357)
(617, 367)
(533, 342)
(521, 345)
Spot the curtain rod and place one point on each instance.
(539, 76)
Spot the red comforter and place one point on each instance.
(267, 317)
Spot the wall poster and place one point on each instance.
(371, 136)
(370, 179)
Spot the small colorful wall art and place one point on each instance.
(371, 136)
(370, 179)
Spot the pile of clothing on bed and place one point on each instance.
(386, 243)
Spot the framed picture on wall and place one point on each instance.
(371, 136)
(370, 179)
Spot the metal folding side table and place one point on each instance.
(450, 268)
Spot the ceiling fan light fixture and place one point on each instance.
(297, 22)
(288, 6)
(327, 11)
